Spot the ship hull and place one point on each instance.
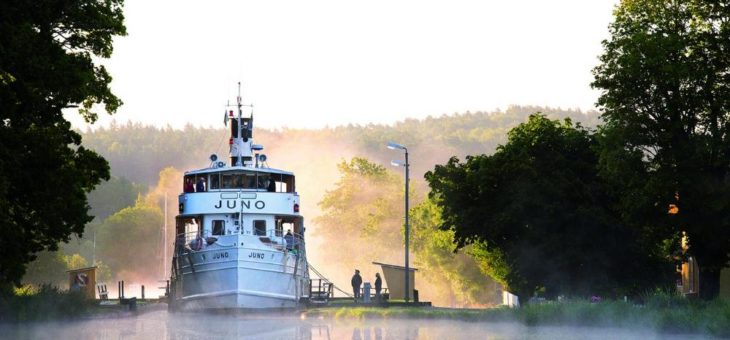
(239, 278)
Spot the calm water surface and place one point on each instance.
(161, 325)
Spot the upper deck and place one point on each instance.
(239, 189)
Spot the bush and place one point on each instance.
(43, 303)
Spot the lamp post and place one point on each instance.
(396, 146)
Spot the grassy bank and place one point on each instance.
(661, 313)
(41, 304)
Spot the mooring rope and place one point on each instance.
(316, 272)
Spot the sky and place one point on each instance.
(312, 64)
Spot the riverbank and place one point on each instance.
(660, 313)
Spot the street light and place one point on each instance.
(396, 146)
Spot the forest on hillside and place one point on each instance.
(126, 238)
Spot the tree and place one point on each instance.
(537, 217)
(361, 218)
(129, 241)
(46, 50)
(455, 277)
(665, 97)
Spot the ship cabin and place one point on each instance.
(217, 202)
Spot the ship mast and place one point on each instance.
(241, 140)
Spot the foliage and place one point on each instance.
(43, 304)
(113, 195)
(139, 152)
(46, 64)
(49, 267)
(537, 216)
(665, 99)
(361, 216)
(456, 276)
(129, 241)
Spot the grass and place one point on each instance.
(42, 304)
(662, 312)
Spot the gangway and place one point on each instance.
(321, 289)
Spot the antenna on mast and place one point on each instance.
(238, 99)
(241, 133)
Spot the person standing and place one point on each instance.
(356, 282)
(378, 286)
(200, 186)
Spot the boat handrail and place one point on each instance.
(290, 242)
(197, 240)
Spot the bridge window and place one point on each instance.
(219, 227)
(259, 227)
(215, 181)
(189, 184)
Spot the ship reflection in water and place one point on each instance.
(161, 325)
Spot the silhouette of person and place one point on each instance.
(378, 286)
(356, 282)
(289, 238)
(188, 187)
(200, 187)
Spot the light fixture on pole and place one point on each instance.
(396, 146)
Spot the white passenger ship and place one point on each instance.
(240, 237)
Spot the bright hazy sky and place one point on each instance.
(310, 64)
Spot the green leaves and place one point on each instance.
(538, 215)
(46, 50)
(666, 101)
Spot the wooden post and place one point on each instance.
(142, 292)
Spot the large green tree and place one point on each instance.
(455, 277)
(361, 220)
(539, 217)
(665, 82)
(46, 65)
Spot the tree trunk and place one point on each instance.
(709, 283)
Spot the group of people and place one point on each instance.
(357, 281)
(197, 187)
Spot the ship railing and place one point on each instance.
(291, 242)
(191, 241)
(196, 241)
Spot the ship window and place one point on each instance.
(189, 184)
(227, 181)
(279, 228)
(201, 183)
(263, 180)
(288, 183)
(215, 181)
(219, 227)
(237, 180)
(248, 180)
(259, 227)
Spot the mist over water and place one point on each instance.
(289, 325)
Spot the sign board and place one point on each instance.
(83, 279)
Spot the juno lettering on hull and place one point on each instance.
(254, 255)
(232, 204)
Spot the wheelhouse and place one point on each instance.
(239, 180)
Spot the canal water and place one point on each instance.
(161, 325)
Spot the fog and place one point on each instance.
(161, 325)
(314, 161)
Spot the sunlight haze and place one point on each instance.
(310, 64)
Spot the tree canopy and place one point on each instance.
(665, 99)
(537, 214)
(46, 65)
